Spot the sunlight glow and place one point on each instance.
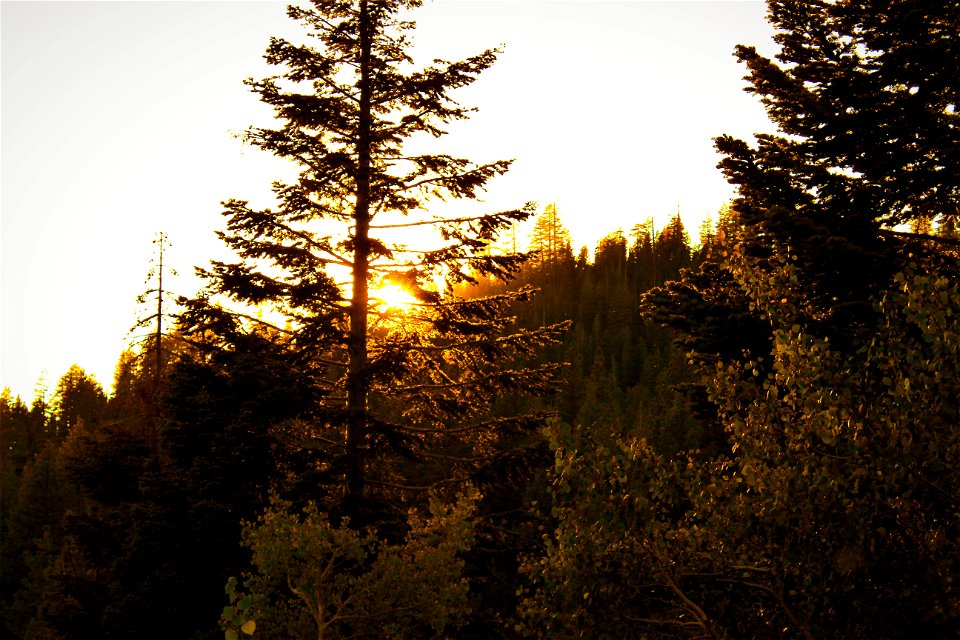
(391, 297)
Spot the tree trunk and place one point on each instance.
(357, 384)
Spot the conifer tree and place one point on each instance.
(418, 380)
(864, 95)
(156, 320)
(79, 398)
(549, 238)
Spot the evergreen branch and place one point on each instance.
(322, 180)
(261, 321)
(409, 264)
(249, 248)
(312, 17)
(288, 332)
(338, 259)
(441, 221)
(338, 89)
(480, 174)
(265, 222)
(332, 305)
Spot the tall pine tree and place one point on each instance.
(414, 383)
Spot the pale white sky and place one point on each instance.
(117, 117)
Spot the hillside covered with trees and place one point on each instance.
(752, 433)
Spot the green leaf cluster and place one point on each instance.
(316, 579)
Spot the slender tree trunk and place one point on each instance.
(159, 329)
(356, 380)
(158, 351)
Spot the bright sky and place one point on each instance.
(117, 121)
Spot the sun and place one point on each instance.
(391, 297)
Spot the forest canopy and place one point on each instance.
(751, 434)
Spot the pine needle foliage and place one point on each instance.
(865, 98)
(407, 393)
(864, 95)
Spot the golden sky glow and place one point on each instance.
(118, 119)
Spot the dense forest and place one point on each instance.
(749, 433)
